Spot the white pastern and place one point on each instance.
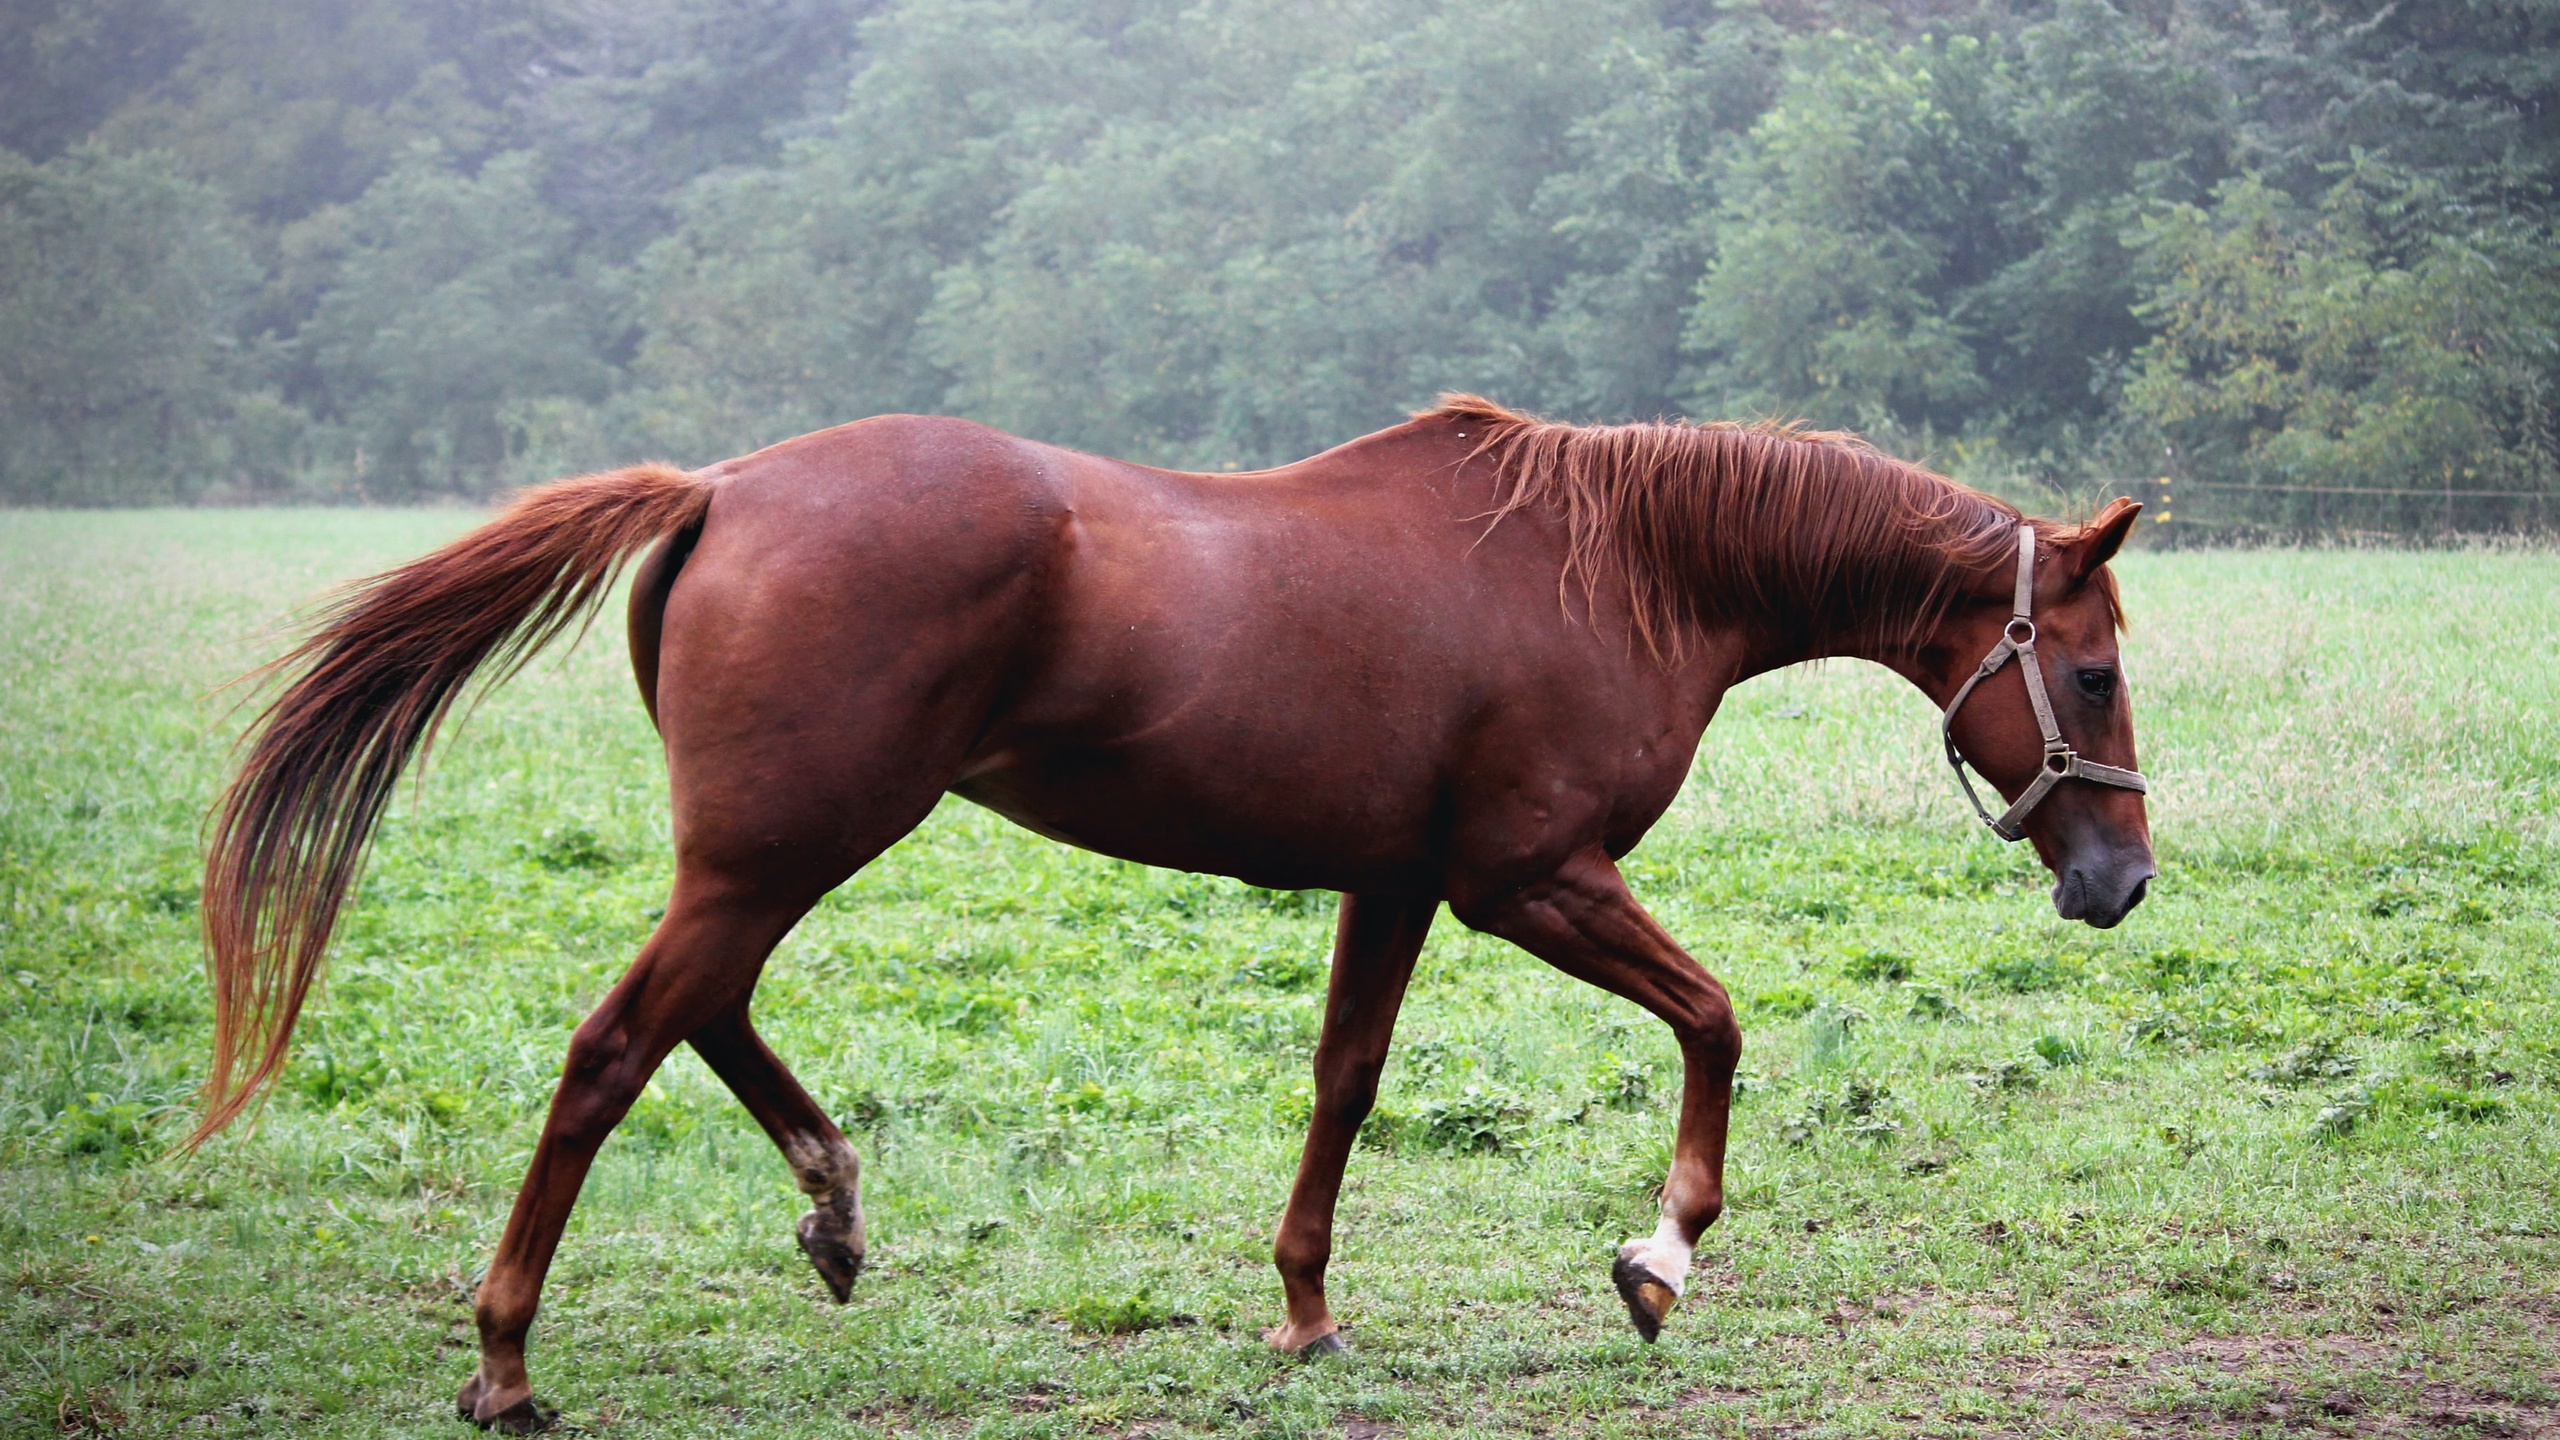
(1666, 1253)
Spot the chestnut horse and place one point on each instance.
(1463, 661)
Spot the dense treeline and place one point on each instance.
(395, 248)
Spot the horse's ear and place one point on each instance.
(2099, 540)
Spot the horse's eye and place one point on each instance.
(2098, 684)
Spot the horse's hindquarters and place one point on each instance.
(835, 642)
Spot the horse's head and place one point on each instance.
(2082, 800)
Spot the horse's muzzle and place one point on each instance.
(2102, 895)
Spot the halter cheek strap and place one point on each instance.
(2061, 762)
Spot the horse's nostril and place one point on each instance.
(2140, 888)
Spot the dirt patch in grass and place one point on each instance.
(2242, 1384)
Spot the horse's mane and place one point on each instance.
(1814, 531)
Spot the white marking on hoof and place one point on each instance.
(1650, 1275)
(1666, 1253)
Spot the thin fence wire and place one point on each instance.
(2207, 511)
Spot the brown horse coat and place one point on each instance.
(1464, 660)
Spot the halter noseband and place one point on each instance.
(2061, 762)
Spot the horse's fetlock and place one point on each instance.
(1302, 1252)
(1304, 1269)
(820, 1166)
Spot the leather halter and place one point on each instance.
(2061, 762)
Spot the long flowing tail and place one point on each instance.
(374, 681)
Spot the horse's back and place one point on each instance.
(1262, 674)
(978, 501)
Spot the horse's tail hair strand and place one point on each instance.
(370, 686)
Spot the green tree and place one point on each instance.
(643, 96)
(66, 65)
(457, 300)
(2110, 121)
(2383, 339)
(787, 297)
(1866, 203)
(2443, 86)
(1638, 205)
(290, 105)
(120, 284)
(1256, 271)
(499, 236)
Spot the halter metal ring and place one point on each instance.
(2017, 623)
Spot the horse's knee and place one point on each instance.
(1351, 1112)
(1702, 1020)
(1346, 1093)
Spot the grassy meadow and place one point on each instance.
(2277, 1156)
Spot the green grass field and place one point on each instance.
(2279, 1155)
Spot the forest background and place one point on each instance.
(2296, 260)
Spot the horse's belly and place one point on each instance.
(1279, 830)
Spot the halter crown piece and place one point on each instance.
(2061, 762)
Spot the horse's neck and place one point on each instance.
(1774, 641)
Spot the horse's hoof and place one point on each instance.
(1649, 1300)
(836, 1262)
(1327, 1344)
(521, 1418)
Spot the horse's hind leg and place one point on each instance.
(836, 640)
(1582, 921)
(821, 1159)
(700, 965)
(758, 842)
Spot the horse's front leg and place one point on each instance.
(821, 1159)
(701, 964)
(1582, 921)
(1375, 942)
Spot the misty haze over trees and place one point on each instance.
(397, 249)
